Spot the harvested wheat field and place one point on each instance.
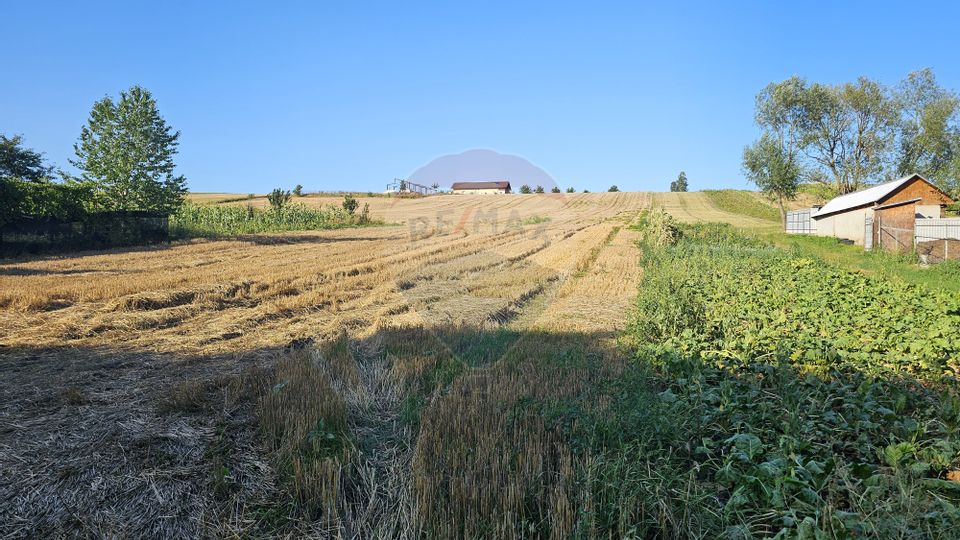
(351, 383)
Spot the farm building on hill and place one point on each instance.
(481, 187)
(884, 215)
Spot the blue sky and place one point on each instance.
(349, 95)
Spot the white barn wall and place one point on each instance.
(847, 225)
(479, 191)
(929, 210)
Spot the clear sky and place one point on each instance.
(349, 95)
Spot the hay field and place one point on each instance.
(456, 259)
(172, 390)
(216, 198)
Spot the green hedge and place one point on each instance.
(64, 202)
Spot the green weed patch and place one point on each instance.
(803, 401)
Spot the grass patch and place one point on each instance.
(188, 397)
(819, 192)
(534, 220)
(303, 419)
(940, 277)
(742, 202)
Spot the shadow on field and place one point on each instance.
(32, 257)
(446, 432)
(266, 239)
(304, 439)
(283, 239)
(16, 271)
(92, 445)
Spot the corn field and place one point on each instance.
(193, 220)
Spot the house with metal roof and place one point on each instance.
(882, 215)
(481, 187)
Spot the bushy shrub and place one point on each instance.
(657, 228)
(278, 198)
(350, 204)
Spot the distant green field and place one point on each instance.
(743, 202)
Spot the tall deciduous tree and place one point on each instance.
(845, 132)
(928, 139)
(771, 166)
(18, 162)
(780, 112)
(125, 152)
(849, 130)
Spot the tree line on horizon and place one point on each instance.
(845, 137)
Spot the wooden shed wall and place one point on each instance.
(893, 228)
(917, 189)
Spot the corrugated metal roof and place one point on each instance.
(863, 197)
(480, 185)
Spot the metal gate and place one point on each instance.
(868, 233)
